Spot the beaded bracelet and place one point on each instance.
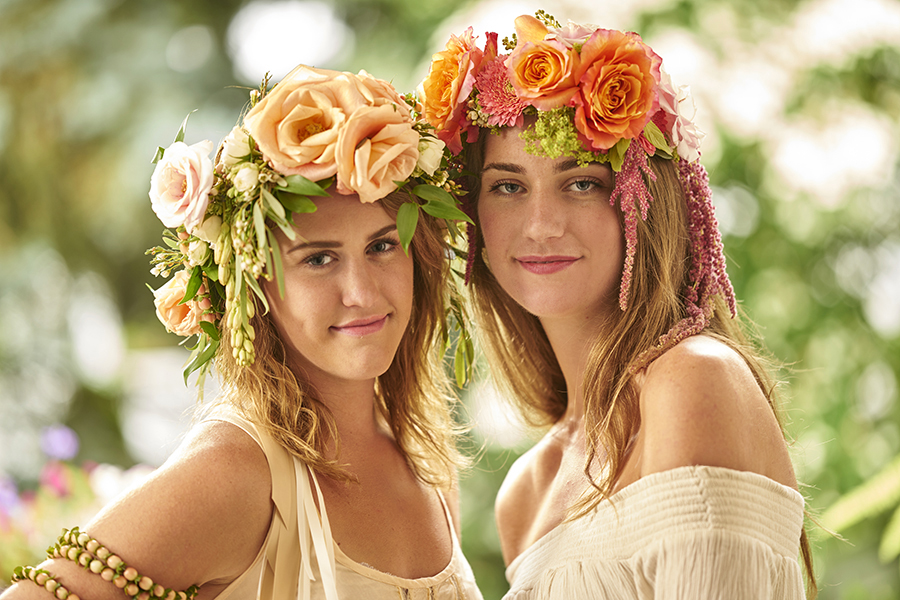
(45, 579)
(84, 550)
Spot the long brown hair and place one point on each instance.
(526, 368)
(412, 396)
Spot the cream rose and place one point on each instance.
(180, 184)
(375, 148)
(197, 251)
(431, 151)
(180, 319)
(296, 125)
(208, 231)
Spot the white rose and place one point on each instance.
(197, 252)
(235, 148)
(246, 179)
(431, 150)
(209, 229)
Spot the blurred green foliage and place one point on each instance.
(86, 95)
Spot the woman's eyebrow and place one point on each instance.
(325, 244)
(509, 167)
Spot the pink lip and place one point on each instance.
(362, 327)
(546, 265)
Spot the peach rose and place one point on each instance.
(180, 319)
(618, 76)
(447, 87)
(296, 124)
(180, 184)
(529, 29)
(542, 73)
(376, 147)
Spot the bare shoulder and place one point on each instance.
(521, 494)
(701, 405)
(201, 518)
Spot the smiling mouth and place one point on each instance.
(362, 327)
(546, 265)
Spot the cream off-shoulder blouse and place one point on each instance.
(689, 533)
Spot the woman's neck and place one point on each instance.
(571, 340)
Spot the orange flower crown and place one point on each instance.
(317, 130)
(598, 95)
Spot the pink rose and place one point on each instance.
(180, 319)
(180, 185)
(376, 147)
(678, 109)
(572, 34)
(296, 124)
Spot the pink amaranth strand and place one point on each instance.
(632, 193)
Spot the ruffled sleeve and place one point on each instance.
(693, 532)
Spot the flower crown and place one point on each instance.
(315, 129)
(597, 95)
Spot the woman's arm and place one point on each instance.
(200, 519)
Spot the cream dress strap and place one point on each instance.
(283, 567)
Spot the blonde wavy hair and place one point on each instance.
(525, 366)
(412, 396)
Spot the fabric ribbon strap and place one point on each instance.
(314, 527)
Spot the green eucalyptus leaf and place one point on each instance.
(295, 203)
(201, 359)
(193, 285)
(276, 259)
(211, 270)
(159, 154)
(259, 221)
(656, 137)
(434, 193)
(445, 211)
(210, 330)
(459, 365)
(174, 244)
(616, 154)
(407, 219)
(289, 232)
(180, 136)
(300, 185)
(272, 203)
(254, 285)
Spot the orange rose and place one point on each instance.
(376, 147)
(447, 87)
(180, 319)
(542, 73)
(618, 76)
(296, 124)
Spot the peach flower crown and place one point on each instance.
(315, 130)
(597, 95)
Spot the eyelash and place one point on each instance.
(391, 243)
(497, 187)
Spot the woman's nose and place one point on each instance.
(544, 219)
(360, 284)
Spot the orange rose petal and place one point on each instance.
(529, 29)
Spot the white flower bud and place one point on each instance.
(235, 148)
(431, 150)
(209, 230)
(247, 178)
(197, 252)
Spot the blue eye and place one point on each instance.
(383, 246)
(584, 185)
(506, 187)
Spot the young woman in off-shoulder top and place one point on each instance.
(598, 284)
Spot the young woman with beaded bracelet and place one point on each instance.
(327, 467)
(664, 471)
